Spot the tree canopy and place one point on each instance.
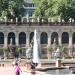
(11, 8)
(65, 9)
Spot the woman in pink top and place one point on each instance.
(17, 69)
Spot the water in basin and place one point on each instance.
(58, 72)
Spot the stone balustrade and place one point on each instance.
(32, 21)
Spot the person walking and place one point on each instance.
(17, 69)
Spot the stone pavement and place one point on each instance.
(11, 71)
(8, 69)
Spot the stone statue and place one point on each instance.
(54, 45)
(11, 41)
(57, 53)
(29, 52)
(54, 40)
(56, 50)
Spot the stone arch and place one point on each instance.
(65, 37)
(11, 35)
(22, 38)
(31, 37)
(73, 38)
(1, 38)
(44, 38)
(54, 36)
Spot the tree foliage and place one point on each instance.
(67, 9)
(46, 8)
(42, 9)
(52, 8)
(11, 8)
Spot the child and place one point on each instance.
(33, 65)
(17, 69)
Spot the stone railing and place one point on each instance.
(37, 22)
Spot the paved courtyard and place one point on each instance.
(8, 69)
(11, 71)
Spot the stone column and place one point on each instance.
(70, 44)
(5, 40)
(70, 39)
(49, 54)
(27, 39)
(49, 39)
(60, 39)
(5, 45)
(17, 39)
(39, 45)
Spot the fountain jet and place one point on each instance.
(35, 47)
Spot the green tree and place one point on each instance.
(65, 9)
(41, 8)
(11, 8)
(46, 8)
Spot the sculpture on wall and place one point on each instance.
(56, 50)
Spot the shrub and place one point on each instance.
(50, 49)
(62, 49)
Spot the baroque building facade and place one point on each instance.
(22, 35)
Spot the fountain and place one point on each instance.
(33, 52)
(49, 70)
(36, 48)
(57, 52)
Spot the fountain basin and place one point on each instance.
(50, 68)
(54, 70)
(59, 71)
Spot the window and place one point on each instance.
(11, 36)
(54, 37)
(65, 37)
(31, 36)
(1, 38)
(22, 38)
(44, 38)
